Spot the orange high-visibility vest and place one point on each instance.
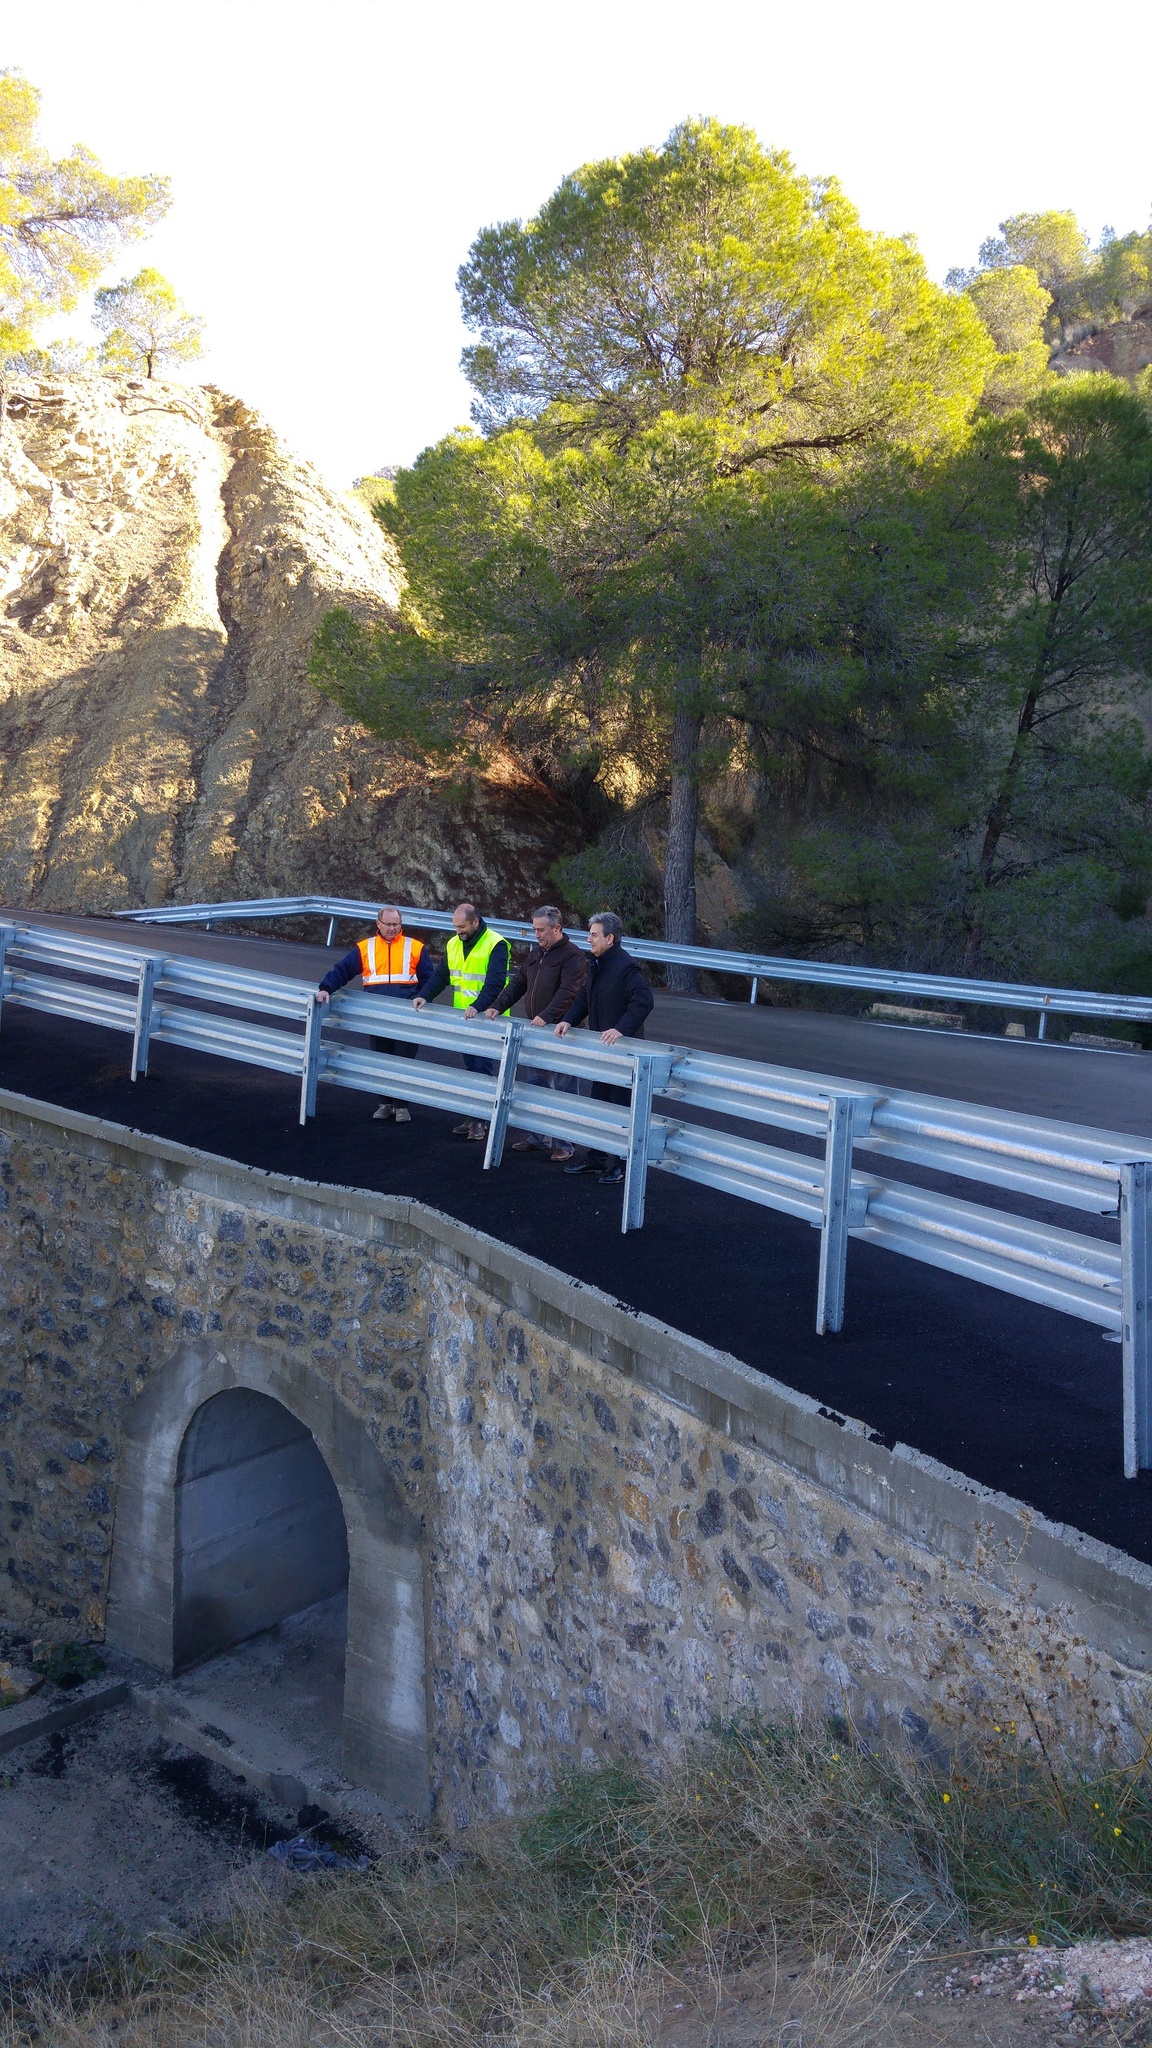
(389, 963)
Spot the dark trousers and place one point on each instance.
(399, 1048)
(606, 1091)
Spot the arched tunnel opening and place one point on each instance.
(260, 1532)
(267, 1565)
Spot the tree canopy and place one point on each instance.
(144, 324)
(61, 220)
(709, 277)
(679, 342)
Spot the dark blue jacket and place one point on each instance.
(615, 995)
(348, 968)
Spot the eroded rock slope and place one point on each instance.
(163, 565)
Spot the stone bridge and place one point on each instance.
(567, 1532)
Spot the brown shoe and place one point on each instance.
(522, 1145)
(478, 1132)
(463, 1130)
(560, 1153)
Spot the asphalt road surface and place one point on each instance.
(1018, 1396)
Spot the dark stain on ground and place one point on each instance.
(52, 1760)
(216, 1801)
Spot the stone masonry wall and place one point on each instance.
(624, 1532)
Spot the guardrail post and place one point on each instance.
(1136, 1271)
(331, 931)
(7, 934)
(310, 1062)
(650, 1070)
(835, 1213)
(143, 1031)
(755, 988)
(505, 1083)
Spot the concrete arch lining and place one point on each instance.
(385, 1728)
(259, 1527)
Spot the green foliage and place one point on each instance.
(70, 1664)
(1085, 287)
(610, 874)
(61, 222)
(1060, 642)
(145, 326)
(679, 349)
(709, 278)
(1013, 305)
(800, 1827)
(371, 491)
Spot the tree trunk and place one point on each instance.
(680, 853)
(994, 831)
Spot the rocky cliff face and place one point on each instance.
(163, 565)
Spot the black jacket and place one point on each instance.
(497, 975)
(615, 995)
(548, 981)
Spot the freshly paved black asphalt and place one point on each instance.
(1017, 1396)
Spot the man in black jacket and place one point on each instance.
(549, 981)
(615, 1000)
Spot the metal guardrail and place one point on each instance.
(755, 967)
(271, 1022)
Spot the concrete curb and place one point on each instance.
(37, 1717)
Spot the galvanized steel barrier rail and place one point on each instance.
(755, 967)
(274, 1023)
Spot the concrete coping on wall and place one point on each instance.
(946, 1514)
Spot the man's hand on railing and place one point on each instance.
(611, 1036)
(419, 1002)
(323, 995)
(563, 1029)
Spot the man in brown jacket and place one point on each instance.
(549, 980)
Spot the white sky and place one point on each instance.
(331, 163)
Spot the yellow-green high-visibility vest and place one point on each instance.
(467, 972)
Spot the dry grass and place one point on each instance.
(583, 1929)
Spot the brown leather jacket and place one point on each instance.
(548, 981)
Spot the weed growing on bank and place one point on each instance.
(769, 1839)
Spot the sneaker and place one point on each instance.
(478, 1132)
(400, 1115)
(582, 1166)
(384, 1114)
(612, 1177)
(463, 1130)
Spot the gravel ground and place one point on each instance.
(108, 1833)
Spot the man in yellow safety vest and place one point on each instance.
(389, 964)
(476, 965)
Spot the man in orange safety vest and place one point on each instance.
(389, 964)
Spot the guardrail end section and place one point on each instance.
(1136, 1272)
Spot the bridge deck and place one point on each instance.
(1017, 1396)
